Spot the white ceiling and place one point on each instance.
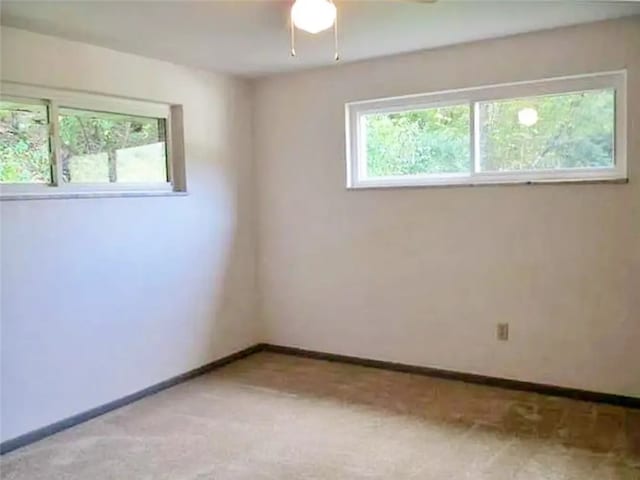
(250, 37)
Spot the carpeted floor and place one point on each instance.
(272, 416)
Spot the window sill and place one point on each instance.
(82, 195)
(504, 183)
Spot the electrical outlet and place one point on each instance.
(502, 332)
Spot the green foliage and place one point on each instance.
(89, 142)
(425, 141)
(92, 145)
(24, 143)
(572, 131)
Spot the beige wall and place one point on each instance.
(422, 275)
(104, 297)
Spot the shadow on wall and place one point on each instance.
(92, 287)
(235, 325)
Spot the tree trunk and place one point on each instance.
(113, 176)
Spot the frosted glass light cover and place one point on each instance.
(313, 16)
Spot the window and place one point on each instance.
(56, 142)
(106, 148)
(417, 142)
(554, 132)
(24, 142)
(567, 129)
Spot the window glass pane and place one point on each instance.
(565, 131)
(419, 142)
(24, 143)
(107, 148)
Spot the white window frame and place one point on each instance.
(55, 99)
(355, 135)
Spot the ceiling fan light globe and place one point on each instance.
(313, 16)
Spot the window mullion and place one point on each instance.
(474, 123)
(56, 158)
(472, 139)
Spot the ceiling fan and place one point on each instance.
(315, 16)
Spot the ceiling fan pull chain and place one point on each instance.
(293, 39)
(335, 38)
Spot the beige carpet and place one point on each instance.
(278, 417)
